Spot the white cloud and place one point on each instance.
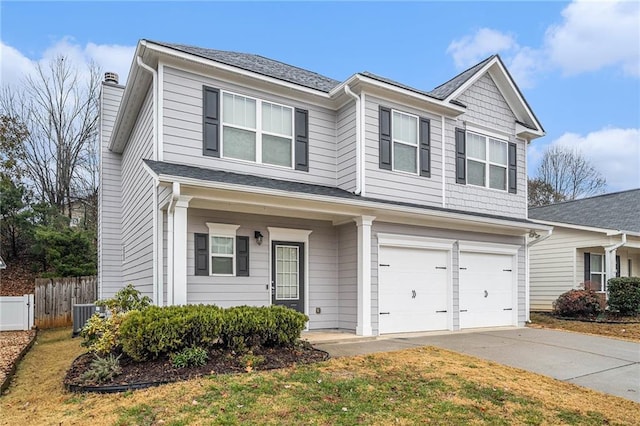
(470, 50)
(116, 58)
(591, 36)
(614, 152)
(594, 35)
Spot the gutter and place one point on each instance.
(359, 156)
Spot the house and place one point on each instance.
(371, 206)
(593, 240)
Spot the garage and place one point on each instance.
(487, 289)
(413, 289)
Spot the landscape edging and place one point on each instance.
(7, 380)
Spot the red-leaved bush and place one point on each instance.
(577, 303)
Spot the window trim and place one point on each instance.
(259, 132)
(224, 231)
(416, 146)
(487, 162)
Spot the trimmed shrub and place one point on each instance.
(624, 295)
(154, 331)
(190, 357)
(125, 300)
(160, 330)
(577, 303)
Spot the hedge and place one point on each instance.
(148, 333)
(577, 303)
(624, 295)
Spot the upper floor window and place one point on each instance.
(405, 142)
(256, 130)
(250, 129)
(487, 161)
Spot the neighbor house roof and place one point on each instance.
(261, 65)
(163, 168)
(616, 211)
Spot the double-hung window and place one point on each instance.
(405, 142)
(256, 130)
(222, 250)
(487, 161)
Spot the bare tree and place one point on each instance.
(569, 173)
(59, 106)
(541, 193)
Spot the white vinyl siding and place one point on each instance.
(346, 148)
(110, 202)
(182, 129)
(348, 276)
(137, 203)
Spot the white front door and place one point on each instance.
(487, 288)
(412, 289)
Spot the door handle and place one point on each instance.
(413, 294)
(486, 293)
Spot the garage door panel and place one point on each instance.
(487, 285)
(412, 289)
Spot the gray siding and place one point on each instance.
(254, 289)
(137, 203)
(486, 107)
(391, 228)
(182, 130)
(400, 186)
(348, 276)
(109, 218)
(346, 147)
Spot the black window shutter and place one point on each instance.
(617, 266)
(201, 253)
(513, 168)
(587, 267)
(425, 147)
(302, 140)
(242, 256)
(211, 122)
(461, 156)
(385, 138)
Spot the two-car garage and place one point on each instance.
(427, 284)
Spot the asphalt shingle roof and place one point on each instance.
(212, 175)
(261, 65)
(618, 210)
(446, 89)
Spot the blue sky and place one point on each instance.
(577, 63)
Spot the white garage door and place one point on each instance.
(412, 289)
(487, 284)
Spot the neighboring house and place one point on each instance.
(593, 240)
(230, 179)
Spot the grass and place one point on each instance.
(422, 385)
(620, 331)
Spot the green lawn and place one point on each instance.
(416, 386)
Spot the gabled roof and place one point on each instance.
(446, 89)
(261, 65)
(618, 211)
(166, 169)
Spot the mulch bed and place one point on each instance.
(138, 375)
(604, 318)
(13, 346)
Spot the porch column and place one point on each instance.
(180, 251)
(363, 326)
(609, 268)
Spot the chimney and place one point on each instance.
(111, 78)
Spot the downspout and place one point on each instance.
(444, 187)
(527, 284)
(358, 190)
(157, 284)
(609, 263)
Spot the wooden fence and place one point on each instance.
(55, 297)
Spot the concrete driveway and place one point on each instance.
(606, 365)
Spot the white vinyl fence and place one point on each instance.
(16, 312)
